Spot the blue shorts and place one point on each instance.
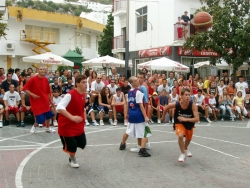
(40, 119)
(90, 109)
(103, 108)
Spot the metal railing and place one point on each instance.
(179, 31)
(119, 42)
(38, 36)
(119, 4)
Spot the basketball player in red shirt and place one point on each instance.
(71, 119)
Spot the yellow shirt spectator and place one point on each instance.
(206, 84)
(239, 101)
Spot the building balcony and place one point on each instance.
(119, 7)
(36, 36)
(180, 35)
(119, 44)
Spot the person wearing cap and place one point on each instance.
(154, 107)
(185, 20)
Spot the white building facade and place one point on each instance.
(66, 36)
(152, 30)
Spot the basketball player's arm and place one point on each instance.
(195, 119)
(143, 112)
(22, 100)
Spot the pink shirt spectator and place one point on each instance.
(106, 82)
(2, 78)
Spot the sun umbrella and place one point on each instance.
(164, 64)
(48, 58)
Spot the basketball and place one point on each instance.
(202, 21)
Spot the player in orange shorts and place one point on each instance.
(186, 115)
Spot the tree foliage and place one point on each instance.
(3, 27)
(105, 45)
(53, 7)
(230, 33)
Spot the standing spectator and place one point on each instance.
(75, 74)
(6, 83)
(11, 101)
(2, 76)
(224, 101)
(185, 20)
(241, 86)
(40, 97)
(29, 71)
(46, 72)
(217, 81)
(63, 77)
(171, 80)
(16, 74)
(112, 87)
(179, 25)
(114, 73)
(125, 88)
(93, 76)
(226, 81)
(56, 99)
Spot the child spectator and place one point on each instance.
(89, 111)
(55, 86)
(117, 103)
(154, 107)
(56, 100)
(212, 105)
(173, 97)
(200, 83)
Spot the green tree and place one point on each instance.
(78, 50)
(230, 33)
(77, 12)
(3, 27)
(105, 45)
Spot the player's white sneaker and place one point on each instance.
(182, 158)
(50, 130)
(55, 123)
(33, 129)
(188, 153)
(73, 163)
(101, 123)
(136, 149)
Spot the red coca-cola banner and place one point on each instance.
(155, 52)
(205, 53)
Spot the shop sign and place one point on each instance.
(156, 52)
(204, 53)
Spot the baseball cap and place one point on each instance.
(155, 93)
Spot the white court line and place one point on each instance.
(18, 146)
(19, 172)
(15, 149)
(215, 139)
(199, 125)
(216, 150)
(28, 141)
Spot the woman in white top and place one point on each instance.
(221, 87)
(200, 83)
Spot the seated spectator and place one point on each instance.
(117, 82)
(14, 75)
(224, 101)
(154, 106)
(125, 88)
(11, 101)
(118, 101)
(171, 80)
(121, 80)
(112, 87)
(231, 88)
(199, 100)
(240, 105)
(163, 100)
(231, 104)
(151, 88)
(67, 87)
(6, 83)
(56, 99)
(212, 105)
(1, 115)
(63, 78)
(221, 87)
(25, 107)
(173, 97)
(104, 79)
(104, 101)
(163, 86)
(96, 88)
(200, 83)
(1, 96)
(56, 86)
(2, 75)
(88, 110)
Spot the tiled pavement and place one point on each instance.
(221, 158)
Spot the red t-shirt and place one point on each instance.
(150, 90)
(206, 100)
(66, 127)
(195, 90)
(121, 84)
(40, 87)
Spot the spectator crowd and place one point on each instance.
(213, 96)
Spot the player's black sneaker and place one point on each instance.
(122, 146)
(143, 153)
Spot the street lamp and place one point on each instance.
(138, 14)
(79, 34)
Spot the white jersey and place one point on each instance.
(118, 99)
(11, 98)
(173, 99)
(241, 87)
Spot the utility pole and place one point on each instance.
(127, 42)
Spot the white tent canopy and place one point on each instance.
(48, 58)
(222, 65)
(164, 64)
(106, 61)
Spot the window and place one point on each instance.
(142, 19)
(83, 40)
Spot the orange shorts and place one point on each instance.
(180, 129)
